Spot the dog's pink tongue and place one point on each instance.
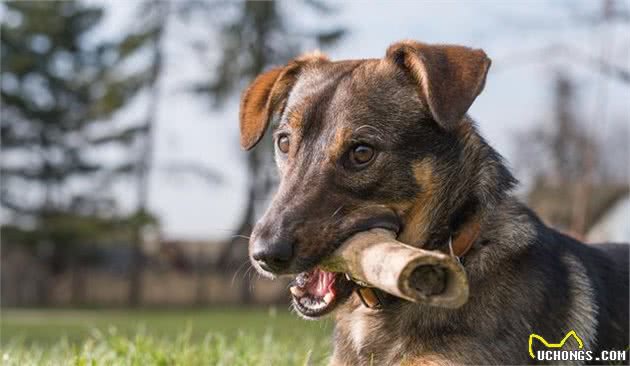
(321, 283)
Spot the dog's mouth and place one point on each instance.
(317, 292)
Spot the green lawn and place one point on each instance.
(162, 337)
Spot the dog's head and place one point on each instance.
(361, 144)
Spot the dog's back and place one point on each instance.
(591, 283)
(607, 265)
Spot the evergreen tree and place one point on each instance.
(149, 34)
(60, 88)
(59, 94)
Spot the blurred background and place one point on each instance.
(122, 183)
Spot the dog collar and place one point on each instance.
(374, 298)
(465, 239)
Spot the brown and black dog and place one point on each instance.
(386, 143)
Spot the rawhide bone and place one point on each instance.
(375, 258)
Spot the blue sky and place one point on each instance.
(516, 95)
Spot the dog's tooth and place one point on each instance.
(328, 298)
(296, 291)
(304, 301)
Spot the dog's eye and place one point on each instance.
(360, 155)
(283, 144)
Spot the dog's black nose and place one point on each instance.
(272, 256)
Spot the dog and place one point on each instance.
(387, 143)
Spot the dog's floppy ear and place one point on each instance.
(449, 77)
(267, 95)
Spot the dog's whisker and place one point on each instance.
(220, 229)
(241, 236)
(336, 211)
(252, 280)
(246, 272)
(240, 267)
(377, 135)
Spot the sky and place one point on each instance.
(516, 95)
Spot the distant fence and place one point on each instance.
(26, 282)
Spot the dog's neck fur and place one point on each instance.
(461, 200)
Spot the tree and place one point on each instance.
(60, 89)
(148, 33)
(569, 155)
(256, 36)
(556, 151)
(575, 178)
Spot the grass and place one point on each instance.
(162, 337)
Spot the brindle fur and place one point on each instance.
(433, 172)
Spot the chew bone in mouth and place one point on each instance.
(376, 258)
(316, 292)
